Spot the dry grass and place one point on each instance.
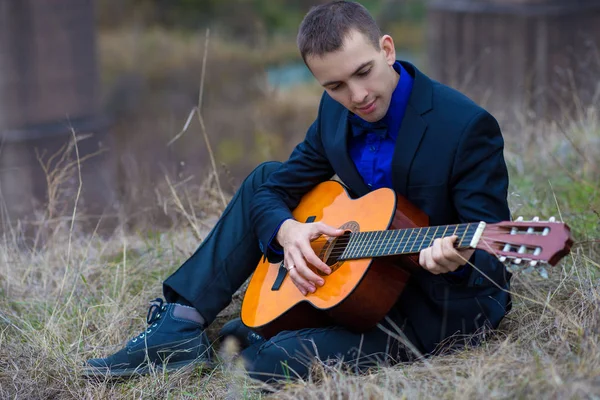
(79, 296)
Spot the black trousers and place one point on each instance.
(227, 258)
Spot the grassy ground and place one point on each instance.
(79, 296)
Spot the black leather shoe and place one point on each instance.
(244, 335)
(175, 338)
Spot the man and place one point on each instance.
(381, 123)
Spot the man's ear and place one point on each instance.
(387, 46)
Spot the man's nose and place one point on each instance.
(358, 94)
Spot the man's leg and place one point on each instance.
(290, 354)
(225, 259)
(206, 281)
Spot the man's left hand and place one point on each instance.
(442, 257)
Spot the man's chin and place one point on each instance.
(371, 117)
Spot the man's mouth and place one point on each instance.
(367, 109)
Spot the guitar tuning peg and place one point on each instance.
(517, 261)
(543, 273)
(502, 259)
(519, 219)
(536, 219)
(552, 219)
(533, 263)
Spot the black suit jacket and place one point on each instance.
(449, 162)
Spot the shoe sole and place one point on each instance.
(100, 372)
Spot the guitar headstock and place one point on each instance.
(527, 245)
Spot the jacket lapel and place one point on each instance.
(350, 177)
(412, 129)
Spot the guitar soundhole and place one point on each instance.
(334, 247)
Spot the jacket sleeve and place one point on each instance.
(480, 187)
(281, 193)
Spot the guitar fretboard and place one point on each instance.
(404, 241)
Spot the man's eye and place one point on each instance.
(334, 88)
(365, 72)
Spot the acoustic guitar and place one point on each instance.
(371, 262)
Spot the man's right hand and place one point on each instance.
(295, 238)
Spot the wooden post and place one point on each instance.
(48, 84)
(522, 59)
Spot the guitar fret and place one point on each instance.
(385, 248)
(444, 233)
(424, 237)
(414, 247)
(399, 241)
(413, 239)
(378, 242)
(437, 228)
(375, 244)
(356, 237)
(364, 238)
(455, 228)
(407, 240)
(370, 243)
(392, 241)
(463, 236)
(360, 238)
(381, 247)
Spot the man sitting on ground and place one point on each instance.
(381, 123)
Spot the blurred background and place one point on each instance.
(95, 94)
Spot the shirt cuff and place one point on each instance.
(273, 245)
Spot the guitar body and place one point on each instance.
(358, 293)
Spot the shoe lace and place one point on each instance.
(157, 307)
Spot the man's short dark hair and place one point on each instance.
(325, 27)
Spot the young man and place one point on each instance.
(381, 123)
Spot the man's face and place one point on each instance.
(359, 76)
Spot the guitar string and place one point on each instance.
(380, 243)
(347, 234)
(488, 229)
(496, 250)
(344, 239)
(486, 240)
(383, 244)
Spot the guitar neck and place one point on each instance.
(408, 241)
